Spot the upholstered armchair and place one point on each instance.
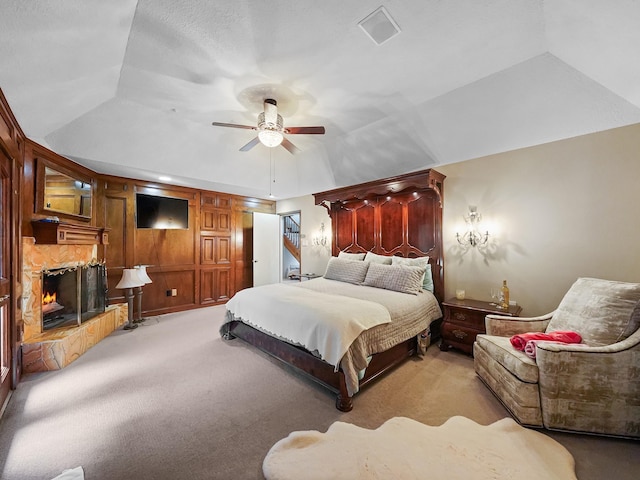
(592, 387)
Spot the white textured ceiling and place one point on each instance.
(130, 88)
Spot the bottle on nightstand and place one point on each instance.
(504, 294)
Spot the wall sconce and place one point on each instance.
(141, 270)
(128, 282)
(472, 236)
(320, 238)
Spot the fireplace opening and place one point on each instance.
(73, 295)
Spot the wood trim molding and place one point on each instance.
(54, 233)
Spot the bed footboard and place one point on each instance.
(315, 368)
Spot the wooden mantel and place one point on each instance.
(57, 233)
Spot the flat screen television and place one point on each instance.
(161, 212)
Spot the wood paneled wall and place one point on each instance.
(205, 264)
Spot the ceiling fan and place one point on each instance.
(271, 130)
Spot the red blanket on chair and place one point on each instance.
(519, 341)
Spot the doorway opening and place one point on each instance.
(291, 243)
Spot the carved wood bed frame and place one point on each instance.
(395, 216)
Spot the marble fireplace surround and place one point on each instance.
(56, 348)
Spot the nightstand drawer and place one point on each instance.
(466, 318)
(459, 336)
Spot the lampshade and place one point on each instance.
(130, 279)
(270, 138)
(142, 273)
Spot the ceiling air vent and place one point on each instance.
(379, 26)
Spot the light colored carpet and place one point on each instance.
(172, 400)
(404, 449)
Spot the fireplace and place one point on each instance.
(72, 295)
(62, 343)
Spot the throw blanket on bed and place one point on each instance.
(519, 342)
(319, 322)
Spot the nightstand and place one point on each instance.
(464, 319)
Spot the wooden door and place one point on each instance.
(6, 314)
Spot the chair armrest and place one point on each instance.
(591, 389)
(503, 326)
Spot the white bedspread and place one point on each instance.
(306, 318)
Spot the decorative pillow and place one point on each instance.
(350, 271)
(603, 312)
(427, 281)
(400, 278)
(351, 256)
(375, 258)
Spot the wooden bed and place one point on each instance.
(395, 216)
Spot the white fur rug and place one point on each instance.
(402, 448)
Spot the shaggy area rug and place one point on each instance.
(402, 448)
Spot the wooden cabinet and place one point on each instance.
(464, 319)
(215, 285)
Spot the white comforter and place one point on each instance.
(306, 318)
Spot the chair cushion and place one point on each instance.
(603, 312)
(515, 361)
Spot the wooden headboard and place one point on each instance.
(395, 216)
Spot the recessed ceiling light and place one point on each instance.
(164, 178)
(379, 26)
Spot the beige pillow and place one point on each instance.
(350, 271)
(399, 278)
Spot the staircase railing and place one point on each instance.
(292, 231)
(291, 237)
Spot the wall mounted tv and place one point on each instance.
(161, 212)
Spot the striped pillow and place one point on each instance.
(400, 278)
(350, 271)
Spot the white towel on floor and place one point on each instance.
(71, 474)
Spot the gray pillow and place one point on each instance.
(351, 256)
(350, 271)
(603, 312)
(400, 278)
(427, 280)
(375, 258)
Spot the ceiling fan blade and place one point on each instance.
(290, 146)
(232, 125)
(250, 145)
(306, 130)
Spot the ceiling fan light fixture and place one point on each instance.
(271, 129)
(270, 125)
(270, 138)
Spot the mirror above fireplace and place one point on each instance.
(62, 191)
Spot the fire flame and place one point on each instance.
(48, 298)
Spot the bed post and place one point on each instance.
(344, 402)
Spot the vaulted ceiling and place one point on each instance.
(130, 87)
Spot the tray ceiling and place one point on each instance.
(130, 88)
